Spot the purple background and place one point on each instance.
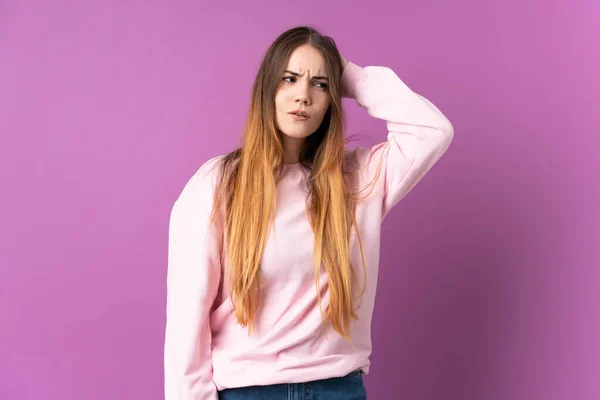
(489, 281)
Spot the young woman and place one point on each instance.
(274, 248)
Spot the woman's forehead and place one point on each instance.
(307, 59)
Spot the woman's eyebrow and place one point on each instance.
(314, 77)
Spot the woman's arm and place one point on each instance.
(193, 277)
(418, 133)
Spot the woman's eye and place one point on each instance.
(293, 79)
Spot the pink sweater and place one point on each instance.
(205, 348)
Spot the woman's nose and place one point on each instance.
(301, 100)
(302, 93)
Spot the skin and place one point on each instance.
(305, 91)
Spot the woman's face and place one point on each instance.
(303, 86)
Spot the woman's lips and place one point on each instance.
(298, 117)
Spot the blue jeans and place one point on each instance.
(349, 387)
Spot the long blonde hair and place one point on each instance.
(246, 191)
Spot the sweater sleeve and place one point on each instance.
(418, 133)
(193, 278)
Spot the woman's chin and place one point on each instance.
(294, 134)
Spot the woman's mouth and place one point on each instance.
(299, 116)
